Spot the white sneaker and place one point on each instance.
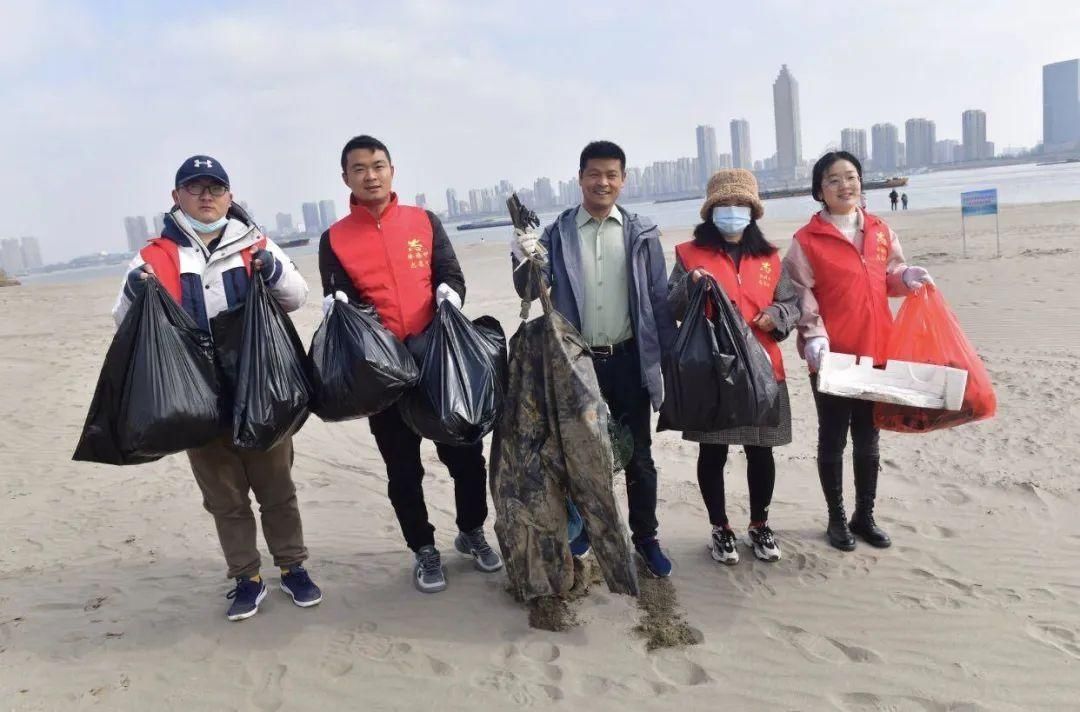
(765, 546)
(722, 546)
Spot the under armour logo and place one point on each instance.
(204, 164)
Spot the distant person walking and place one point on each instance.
(903, 199)
(893, 197)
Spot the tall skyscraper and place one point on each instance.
(788, 131)
(159, 223)
(137, 232)
(947, 151)
(920, 135)
(285, 224)
(975, 148)
(451, 203)
(11, 256)
(421, 200)
(543, 193)
(312, 225)
(724, 161)
(475, 201)
(854, 142)
(706, 154)
(740, 144)
(884, 139)
(327, 213)
(1061, 105)
(31, 252)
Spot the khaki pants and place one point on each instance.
(225, 475)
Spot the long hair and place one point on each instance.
(753, 241)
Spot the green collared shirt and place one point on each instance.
(605, 313)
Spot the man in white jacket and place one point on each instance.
(205, 258)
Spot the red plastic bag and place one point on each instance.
(926, 331)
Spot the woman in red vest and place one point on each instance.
(730, 247)
(845, 264)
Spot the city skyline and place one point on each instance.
(501, 106)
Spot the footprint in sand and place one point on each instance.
(954, 495)
(268, 695)
(678, 669)
(533, 661)
(364, 641)
(817, 648)
(1062, 639)
(520, 692)
(869, 702)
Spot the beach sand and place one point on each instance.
(112, 583)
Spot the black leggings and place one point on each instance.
(760, 478)
(836, 416)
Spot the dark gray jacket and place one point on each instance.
(650, 316)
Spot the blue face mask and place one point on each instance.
(206, 228)
(731, 220)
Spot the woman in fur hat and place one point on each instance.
(730, 247)
(845, 264)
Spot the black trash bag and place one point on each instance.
(462, 378)
(158, 389)
(358, 368)
(264, 369)
(717, 375)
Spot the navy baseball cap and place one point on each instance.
(201, 167)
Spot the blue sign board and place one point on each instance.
(979, 202)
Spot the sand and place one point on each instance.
(112, 584)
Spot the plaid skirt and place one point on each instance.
(750, 435)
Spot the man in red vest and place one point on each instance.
(398, 260)
(205, 258)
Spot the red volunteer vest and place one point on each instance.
(750, 288)
(164, 256)
(850, 286)
(389, 263)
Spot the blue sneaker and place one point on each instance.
(299, 585)
(656, 563)
(246, 598)
(580, 546)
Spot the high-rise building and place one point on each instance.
(885, 139)
(543, 193)
(947, 151)
(285, 224)
(11, 258)
(1061, 105)
(724, 161)
(475, 199)
(327, 213)
(974, 123)
(706, 154)
(854, 142)
(137, 232)
(421, 200)
(740, 144)
(159, 223)
(31, 252)
(788, 131)
(452, 208)
(312, 225)
(920, 135)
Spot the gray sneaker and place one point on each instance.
(428, 571)
(475, 545)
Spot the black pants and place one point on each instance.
(620, 384)
(837, 415)
(400, 449)
(760, 478)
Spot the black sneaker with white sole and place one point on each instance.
(722, 546)
(246, 598)
(764, 545)
(474, 544)
(428, 575)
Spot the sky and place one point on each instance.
(101, 101)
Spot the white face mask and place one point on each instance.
(206, 228)
(731, 220)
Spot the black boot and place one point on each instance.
(862, 520)
(832, 486)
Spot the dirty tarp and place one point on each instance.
(552, 441)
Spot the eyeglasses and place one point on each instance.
(838, 182)
(196, 190)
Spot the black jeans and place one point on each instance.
(760, 478)
(836, 415)
(400, 449)
(620, 384)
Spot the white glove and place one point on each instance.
(328, 300)
(445, 292)
(526, 246)
(814, 350)
(915, 278)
